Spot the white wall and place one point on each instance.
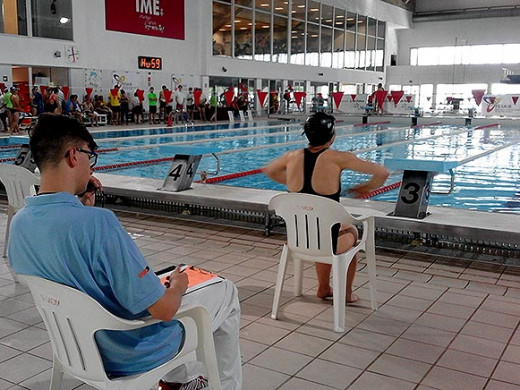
(438, 5)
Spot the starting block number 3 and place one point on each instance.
(181, 172)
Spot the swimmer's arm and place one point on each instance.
(379, 173)
(277, 170)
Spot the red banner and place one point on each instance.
(140, 95)
(229, 94)
(298, 96)
(353, 96)
(113, 92)
(2, 87)
(408, 98)
(477, 95)
(197, 94)
(261, 97)
(396, 96)
(337, 96)
(515, 99)
(159, 18)
(89, 91)
(167, 95)
(65, 90)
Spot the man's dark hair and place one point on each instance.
(53, 135)
(319, 128)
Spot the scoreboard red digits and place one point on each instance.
(152, 63)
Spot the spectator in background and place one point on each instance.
(213, 103)
(190, 103)
(3, 112)
(73, 109)
(15, 111)
(36, 102)
(137, 109)
(152, 105)
(202, 107)
(114, 97)
(125, 104)
(88, 110)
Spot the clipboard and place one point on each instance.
(197, 277)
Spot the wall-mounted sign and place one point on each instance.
(159, 18)
(153, 63)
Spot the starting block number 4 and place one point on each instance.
(181, 172)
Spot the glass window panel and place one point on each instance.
(486, 54)
(245, 3)
(351, 22)
(360, 59)
(13, 18)
(298, 42)
(350, 54)
(380, 53)
(264, 5)
(281, 7)
(339, 18)
(361, 24)
(326, 47)
(298, 9)
(262, 36)
(313, 12)
(447, 55)
(427, 56)
(313, 44)
(360, 51)
(381, 29)
(511, 54)
(371, 52)
(280, 29)
(413, 56)
(327, 15)
(372, 27)
(222, 26)
(52, 22)
(338, 48)
(243, 33)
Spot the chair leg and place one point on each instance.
(339, 291)
(282, 268)
(6, 240)
(56, 376)
(298, 277)
(370, 252)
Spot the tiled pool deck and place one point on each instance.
(443, 324)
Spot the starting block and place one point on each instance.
(414, 194)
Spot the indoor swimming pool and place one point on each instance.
(486, 179)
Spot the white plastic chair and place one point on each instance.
(19, 183)
(309, 219)
(72, 318)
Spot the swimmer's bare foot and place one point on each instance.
(352, 299)
(324, 294)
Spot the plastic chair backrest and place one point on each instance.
(19, 183)
(72, 318)
(309, 219)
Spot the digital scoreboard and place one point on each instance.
(153, 63)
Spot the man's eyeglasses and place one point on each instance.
(92, 156)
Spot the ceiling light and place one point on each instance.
(64, 20)
(238, 21)
(301, 6)
(339, 16)
(279, 8)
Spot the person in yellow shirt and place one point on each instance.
(115, 103)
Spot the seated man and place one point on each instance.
(317, 170)
(56, 237)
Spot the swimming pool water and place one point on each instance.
(489, 182)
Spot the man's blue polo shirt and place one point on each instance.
(58, 238)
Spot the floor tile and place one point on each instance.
(494, 318)
(415, 350)
(368, 340)
(23, 367)
(262, 333)
(496, 385)
(445, 379)
(400, 368)
(450, 310)
(478, 346)
(304, 344)
(512, 354)
(26, 339)
(384, 325)
(249, 349)
(302, 384)
(372, 381)
(439, 321)
(507, 372)
(281, 360)
(427, 335)
(261, 378)
(429, 294)
(489, 332)
(461, 299)
(330, 374)
(349, 355)
(466, 362)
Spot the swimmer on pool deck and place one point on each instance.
(317, 170)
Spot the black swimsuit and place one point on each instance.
(309, 162)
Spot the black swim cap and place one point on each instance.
(319, 128)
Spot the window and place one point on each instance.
(52, 19)
(13, 18)
(298, 42)
(222, 25)
(243, 33)
(262, 36)
(280, 28)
